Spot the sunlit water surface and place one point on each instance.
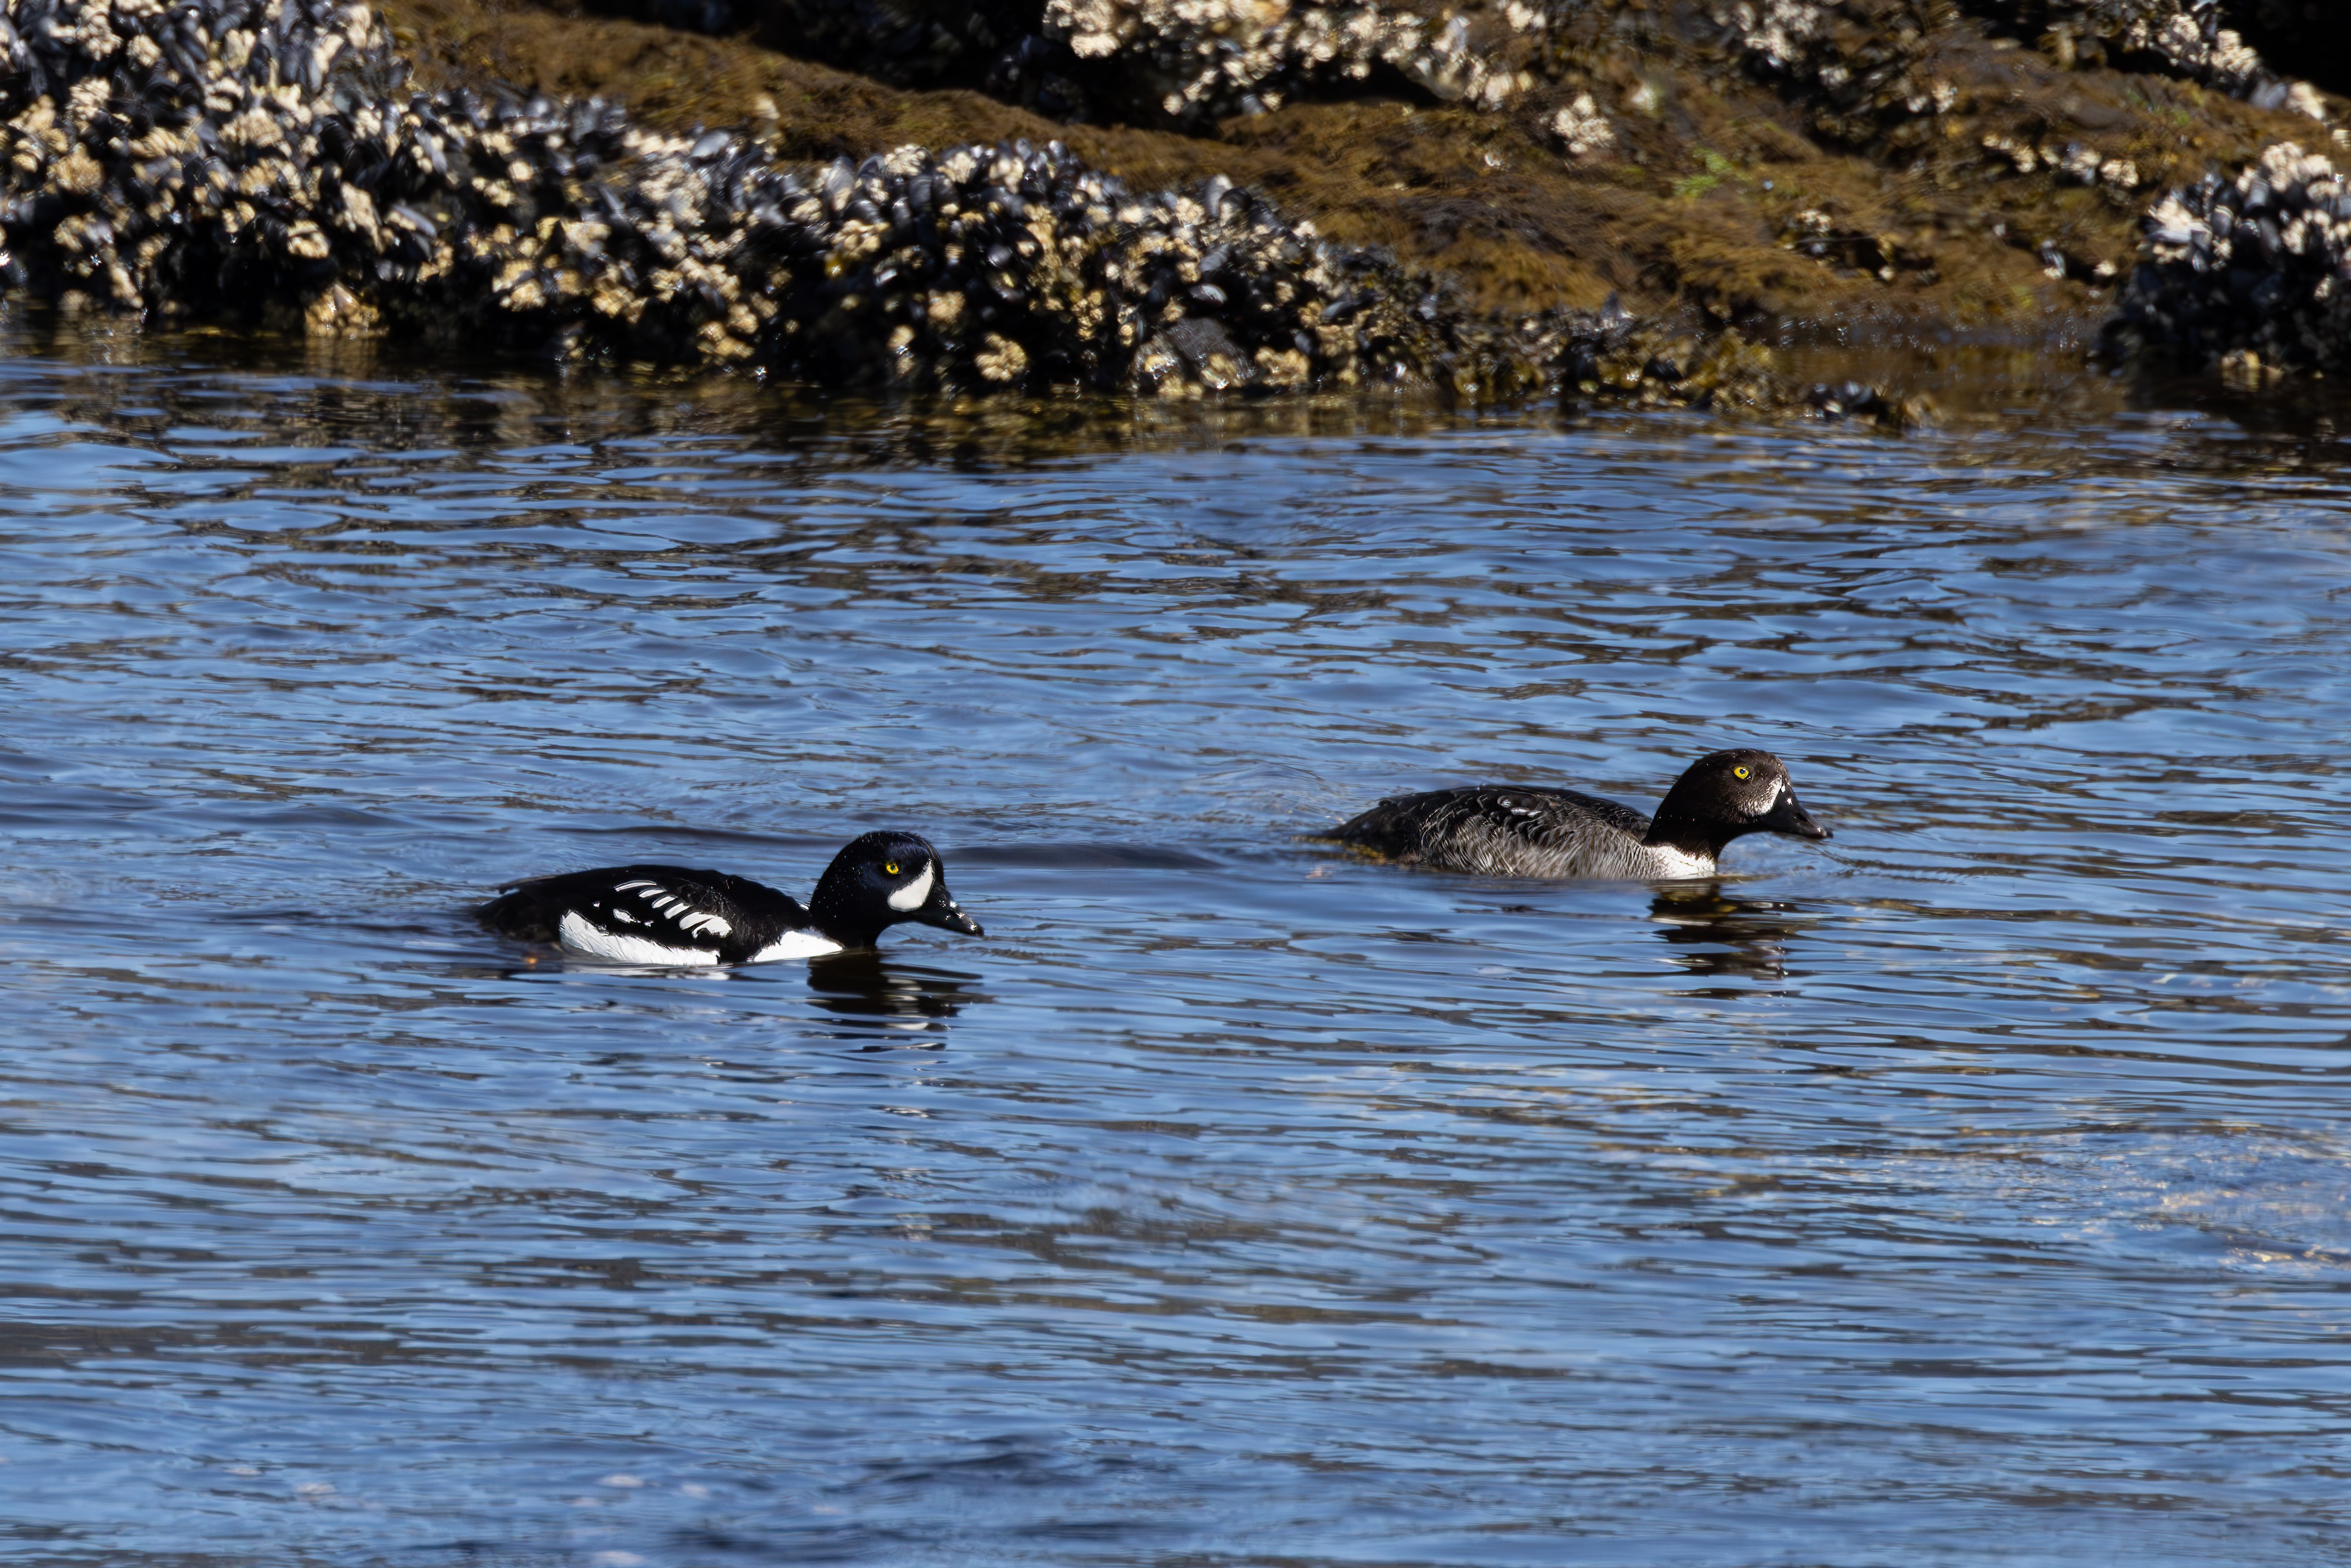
(1975, 1188)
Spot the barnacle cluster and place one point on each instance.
(1582, 129)
(2250, 272)
(2189, 38)
(1865, 60)
(1871, 61)
(1202, 58)
(1216, 57)
(1867, 63)
(231, 158)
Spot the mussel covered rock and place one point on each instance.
(2253, 274)
(246, 159)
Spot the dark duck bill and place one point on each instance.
(672, 915)
(1509, 829)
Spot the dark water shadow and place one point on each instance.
(904, 1003)
(1717, 935)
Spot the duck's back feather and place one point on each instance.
(1504, 830)
(647, 913)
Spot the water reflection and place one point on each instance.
(400, 399)
(875, 990)
(1716, 934)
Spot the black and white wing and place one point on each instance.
(1501, 829)
(663, 914)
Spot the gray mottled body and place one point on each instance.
(1498, 830)
(1508, 829)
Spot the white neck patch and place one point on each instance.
(1678, 866)
(915, 894)
(795, 944)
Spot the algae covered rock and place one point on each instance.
(1880, 61)
(243, 160)
(240, 159)
(1189, 62)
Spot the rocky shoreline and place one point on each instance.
(517, 176)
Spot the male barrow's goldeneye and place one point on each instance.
(667, 915)
(1511, 830)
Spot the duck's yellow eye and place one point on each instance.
(889, 868)
(1740, 773)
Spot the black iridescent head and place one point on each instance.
(1725, 795)
(881, 879)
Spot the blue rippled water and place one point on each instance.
(1976, 1188)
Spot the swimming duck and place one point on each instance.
(1511, 830)
(667, 915)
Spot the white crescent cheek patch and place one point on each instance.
(915, 894)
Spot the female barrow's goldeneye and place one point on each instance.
(1509, 829)
(670, 916)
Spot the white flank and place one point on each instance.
(915, 894)
(795, 944)
(592, 942)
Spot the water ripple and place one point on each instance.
(1974, 1187)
